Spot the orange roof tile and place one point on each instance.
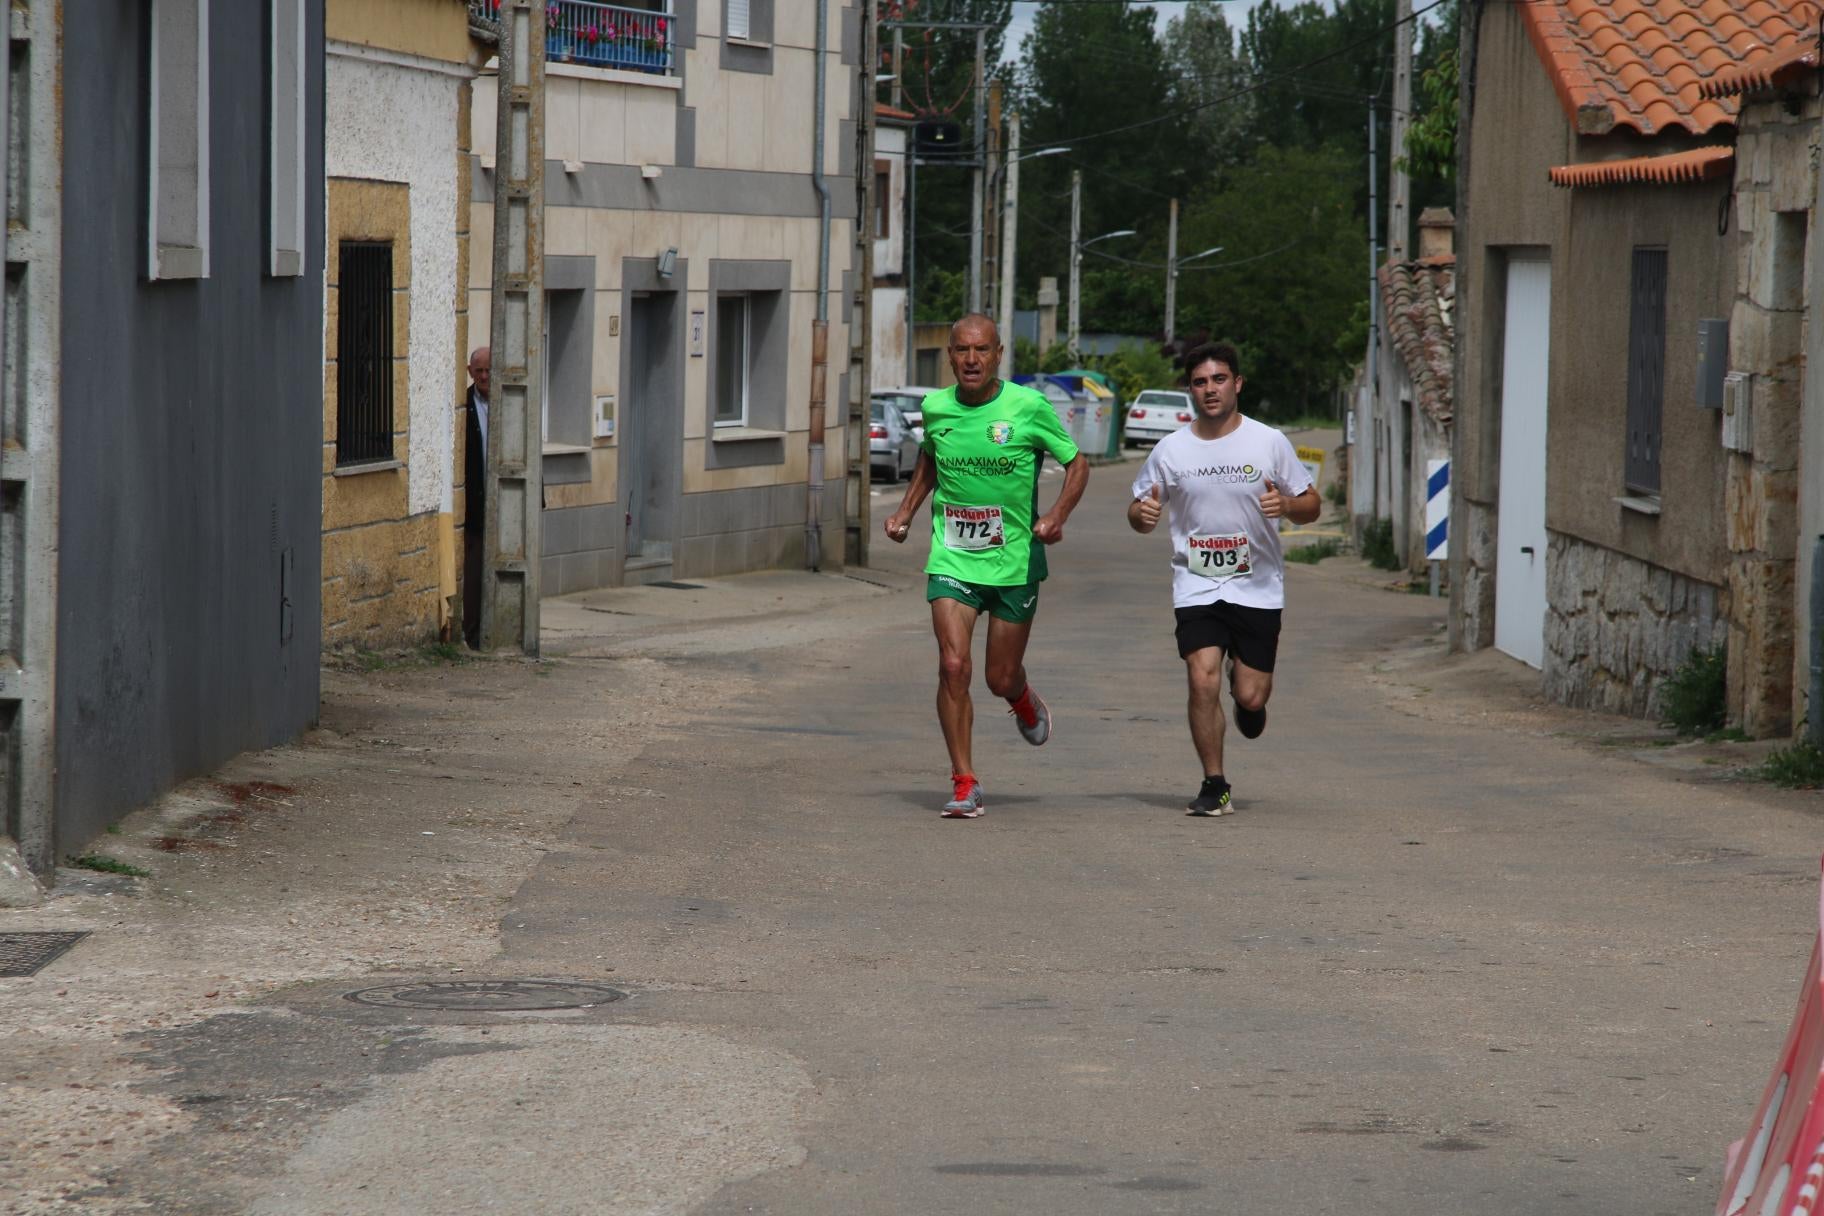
(1766, 72)
(1651, 65)
(1697, 165)
(1419, 302)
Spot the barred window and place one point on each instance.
(364, 352)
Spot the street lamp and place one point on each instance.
(1077, 246)
(1171, 285)
(1010, 220)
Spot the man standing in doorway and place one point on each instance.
(985, 443)
(475, 493)
(1226, 481)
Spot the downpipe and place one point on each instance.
(820, 330)
(1814, 700)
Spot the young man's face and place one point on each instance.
(1215, 390)
(975, 355)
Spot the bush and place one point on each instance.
(1338, 493)
(1799, 767)
(1314, 552)
(1695, 698)
(1377, 545)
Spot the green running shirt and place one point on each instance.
(988, 460)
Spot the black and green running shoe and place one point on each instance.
(1212, 799)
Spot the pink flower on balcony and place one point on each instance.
(659, 25)
(551, 14)
(610, 33)
(592, 33)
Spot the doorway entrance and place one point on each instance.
(1520, 556)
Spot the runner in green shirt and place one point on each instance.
(985, 442)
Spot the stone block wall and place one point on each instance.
(1472, 572)
(1616, 627)
(1775, 196)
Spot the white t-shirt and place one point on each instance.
(1223, 548)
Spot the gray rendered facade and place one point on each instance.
(191, 415)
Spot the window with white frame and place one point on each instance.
(739, 20)
(734, 342)
(178, 120)
(285, 140)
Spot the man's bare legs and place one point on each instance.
(954, 624)
(1251, 689)
(1204, 670)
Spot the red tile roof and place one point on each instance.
(1767, 72)
(883, 110)
(1642, 64)
(1419, 299)
(1697, 165)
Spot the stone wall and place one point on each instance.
(1472, 572)
(1616, 627)
(1775, 191)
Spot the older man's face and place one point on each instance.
(975, 354)
(479, 364)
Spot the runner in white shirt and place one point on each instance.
(1224, 479)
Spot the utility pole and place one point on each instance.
(1076, 257)
(1009, 229)
(856, 514)
(1374, 261)
(1171, 270)
(1399, 223)
(911, 263)
(899, 68)
(976, 175)
(509, 602)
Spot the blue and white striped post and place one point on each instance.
(1437, 516)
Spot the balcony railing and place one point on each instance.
(597, 35)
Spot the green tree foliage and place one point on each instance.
(1317, 66)
(1431, 141)
(1090, 68)
(1208, 74)
(1289, 279)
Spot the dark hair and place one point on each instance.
(1220, 352)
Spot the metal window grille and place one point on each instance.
(1646, 369)
(364, 352)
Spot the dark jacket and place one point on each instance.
(474, 470)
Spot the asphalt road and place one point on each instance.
(1443, 959)
(1429, 967)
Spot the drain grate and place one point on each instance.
(24, 954)
(678, 586)
(483, 996)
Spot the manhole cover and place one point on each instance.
(25, 953)
(480, 996)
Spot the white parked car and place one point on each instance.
(891, 444)
(1156, 413)
(910, 398)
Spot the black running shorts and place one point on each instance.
(1247, 635)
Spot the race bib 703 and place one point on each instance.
(1220, 557)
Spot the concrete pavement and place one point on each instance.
(1457, 952)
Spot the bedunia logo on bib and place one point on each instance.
(1000, 432)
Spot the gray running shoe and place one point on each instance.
(1038, 730)
(967, 802)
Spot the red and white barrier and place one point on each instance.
(1779, 1169)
